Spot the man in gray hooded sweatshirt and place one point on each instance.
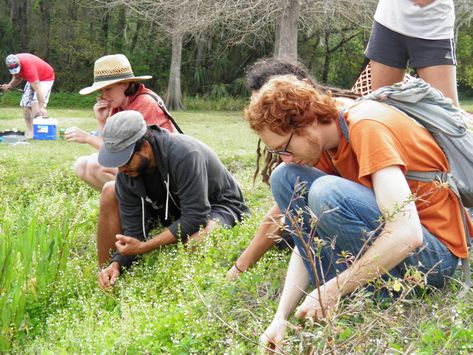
(172, 178)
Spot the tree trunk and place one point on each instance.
(286, 33)
(19, 19)
(105, 25)
(134, 41)
(327, 54)
(120, 37)
(174, 94)
(46, 27)
(201, 45)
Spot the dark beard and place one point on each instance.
(143, 165)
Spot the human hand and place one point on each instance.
(102, 111)
(315, 309)
(233, 273)
(43, 112)
(75, 134)
(129, 245)
(109, 275)
(421, 3)
(5, 87)
(273, 336)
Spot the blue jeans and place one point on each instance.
(348, 222)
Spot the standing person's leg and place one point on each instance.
(388, 56)
(349, 221)
(45, 87)
(443, 78)
(27, 115)
(109, 224)
(384, 75)
(25, 104)
(435, 62)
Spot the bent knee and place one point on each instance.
(326, 192)
(107, 195)
(291, 174)
(80, 167)
(278, 175)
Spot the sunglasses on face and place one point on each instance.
(13, 66)
(283, 151)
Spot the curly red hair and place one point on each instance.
(286, 103)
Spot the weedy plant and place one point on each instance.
(32, 256)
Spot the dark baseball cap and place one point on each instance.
(120, 134)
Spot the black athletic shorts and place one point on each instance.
(396, 50)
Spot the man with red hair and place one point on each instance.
(354, 217)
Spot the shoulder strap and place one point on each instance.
(343, 124)
(163, 107)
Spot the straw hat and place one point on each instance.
(112, 69)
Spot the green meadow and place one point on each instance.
(174, 300)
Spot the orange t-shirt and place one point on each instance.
(382, 136)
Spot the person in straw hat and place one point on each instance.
(119, 90)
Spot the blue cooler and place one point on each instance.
(44, 128)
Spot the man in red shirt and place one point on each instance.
(39, 77)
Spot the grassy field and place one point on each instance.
(173, 301)
(467, 105)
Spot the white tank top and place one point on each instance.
(434, 21)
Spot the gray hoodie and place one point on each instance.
(188, 180)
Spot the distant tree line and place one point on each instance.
(201, 48)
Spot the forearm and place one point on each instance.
(401, 235)
(15, 81)
(101, 122)
(297, 281)
(264, 239)
(257, 248)
(387, 251)
(159, 240)
(95, 141)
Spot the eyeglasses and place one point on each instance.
(13, 66)
(283, 151)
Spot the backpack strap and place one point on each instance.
(343, 124)
(163, 107)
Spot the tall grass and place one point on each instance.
(32, 255)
